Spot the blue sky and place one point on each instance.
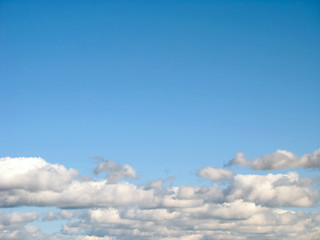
(168, 87)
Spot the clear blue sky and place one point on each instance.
(166, 86)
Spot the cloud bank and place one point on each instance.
(246, 206)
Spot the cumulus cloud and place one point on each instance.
(14, 225)
(248, 207)
(17, 219)
(215, 174)
(115, 172)
(281, 159)
(235, 220)
(63, 214)
(34, 174)
(274, 190)
(74, 192)
(80, 194)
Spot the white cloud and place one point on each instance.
(274, 190)
(247, 207)
(23, 233)
(74, 192)
(81, 194)
(215, 174)
(235, 220)
(281, 159)
(94, 238)
(17, 218)
(34, 174)
(63, 214)
(236, 210)
(14, 225)
(115, 172)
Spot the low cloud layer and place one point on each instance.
(14, 225)
(246, 206)
(281, 159)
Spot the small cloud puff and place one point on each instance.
(63, 214)
(281, 159)
(215, 174)
(115, 172)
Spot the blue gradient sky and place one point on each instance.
(167, 87)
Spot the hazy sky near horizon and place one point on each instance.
(160, 113)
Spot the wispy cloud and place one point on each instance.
(215, 174)
(281, 159)
(115, 172)
(63, 214)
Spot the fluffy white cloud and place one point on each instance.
(81, 194)
(63, 214)
(215, 174)
(235, 220)
(17, 219)
(115, 172)
(23, 233)
(281, 159)
(94, 238)
(14, 225)
(34, 174)
(274, 190)
(75, 192)
(247, 207)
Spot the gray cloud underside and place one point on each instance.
(281, 159)
(249, 207)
